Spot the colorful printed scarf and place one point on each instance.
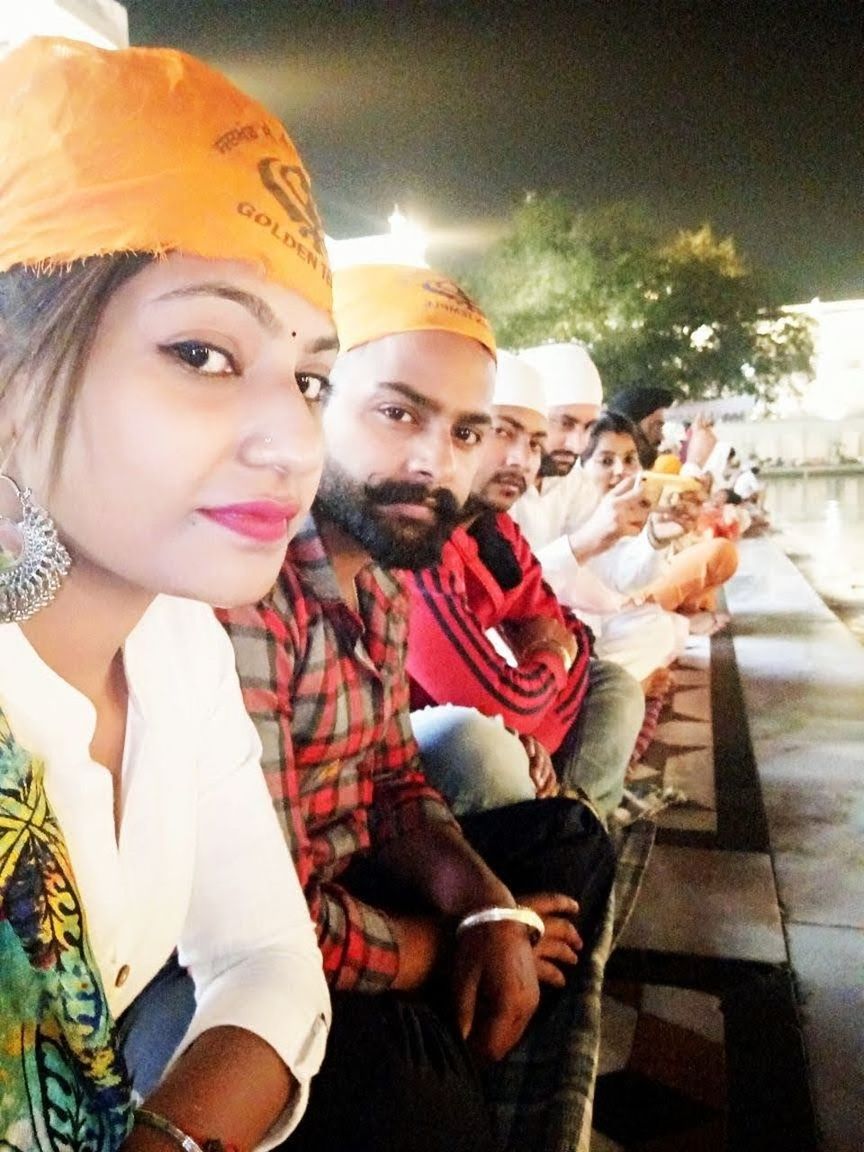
(63, 1084)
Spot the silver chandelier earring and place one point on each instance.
(33, 562)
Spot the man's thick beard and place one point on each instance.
(549, 466)
(476, 505)
(355, 508)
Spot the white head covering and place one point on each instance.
(518, 384)
(568, 372)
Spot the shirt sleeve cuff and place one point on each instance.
(284, 1000)
(554, 661)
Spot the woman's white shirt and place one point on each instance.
(200, 863)
(630, 563)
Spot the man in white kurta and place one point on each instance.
(561, 515)
(568, 524)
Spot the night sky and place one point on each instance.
(748, 115)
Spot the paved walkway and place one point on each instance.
(803, 679)
(750, 921)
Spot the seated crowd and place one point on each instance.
(444, 581)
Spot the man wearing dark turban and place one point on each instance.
(646, 406)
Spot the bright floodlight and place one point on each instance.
(405, 243)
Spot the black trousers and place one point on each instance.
(397, 1076)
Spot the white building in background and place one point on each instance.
(819, 420)
(837, 388)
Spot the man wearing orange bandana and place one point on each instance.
(436, 939)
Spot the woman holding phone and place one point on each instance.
(643, 568)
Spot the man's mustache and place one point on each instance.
(440, 500)
(511, 480)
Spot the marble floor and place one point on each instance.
(744, 957)
(802, 675)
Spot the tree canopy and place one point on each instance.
(684, 311)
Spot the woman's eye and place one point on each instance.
(204, 358)
(313, 388)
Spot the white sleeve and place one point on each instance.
(629, 564)
(248, 940)
(573, 583)
(564, 505)
(581, 503)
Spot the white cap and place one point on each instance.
(518, 384)
(568, 372)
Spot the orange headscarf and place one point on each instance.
(667, 462)
(148, 150)
(375, 300)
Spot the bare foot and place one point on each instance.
(658, 683)
(708, 623)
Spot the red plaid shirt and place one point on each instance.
(328, 692)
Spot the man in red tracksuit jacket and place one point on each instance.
(487, 633)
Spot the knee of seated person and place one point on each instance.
(613, 680)
(396, 1076)
(472, 759)
(724, 561)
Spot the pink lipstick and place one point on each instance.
(263, 520)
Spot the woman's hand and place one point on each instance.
(622, 512)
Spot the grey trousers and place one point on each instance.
(477, 764)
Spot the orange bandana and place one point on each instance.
(148, 150)
(375, 300)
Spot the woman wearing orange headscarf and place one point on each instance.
(166, 340)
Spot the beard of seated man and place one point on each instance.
(411, 535)
(558, 463)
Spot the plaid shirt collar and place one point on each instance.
(311, 561)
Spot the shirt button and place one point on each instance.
(122, 976)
